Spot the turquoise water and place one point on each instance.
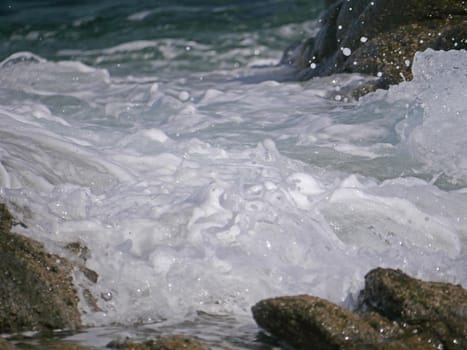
(165, 138)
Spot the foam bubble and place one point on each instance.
(346, 51)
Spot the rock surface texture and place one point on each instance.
(174, 342)
(379, 37)
(395, 311)
(4, 345)
(36, 288)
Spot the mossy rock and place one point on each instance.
(436, 309)
(395, 311)
(36, 289)
(309, 322)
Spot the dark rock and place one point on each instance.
(310, 322)
(174, 342)
(379, 37)
(36, 289)
(395, 311)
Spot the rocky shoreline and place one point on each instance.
(378, 38)
(37, 291)
(395, 311)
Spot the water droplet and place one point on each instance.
(363, 39)
(184, 96)
(107, 296)
(313, 66)
(346, 51)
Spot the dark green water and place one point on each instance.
(46, 27)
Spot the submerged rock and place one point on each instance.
(5, 345)
(395, 311)
(66, 346)
(379, 37)
(36, 289)
(174, 342)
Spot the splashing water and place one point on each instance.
(201, 189)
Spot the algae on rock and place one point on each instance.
(36, 287)
(395, 311)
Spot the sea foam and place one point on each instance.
(242, 191)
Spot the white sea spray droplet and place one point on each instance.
(363, 39)
(313, 65)
(184, 96)
(346, 51)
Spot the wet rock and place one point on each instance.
(310, 322)
(66, 346)
(174, 342)
(379, 37)
(78, 255)
(4, 345)
(36, 289)
(438, 310)
(395, 311)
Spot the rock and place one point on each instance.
(395, 311)
(174, 342)
(436, 309)
(4, 345)
(36, 291)
(65, 346)
(379, 37)
(310, 322)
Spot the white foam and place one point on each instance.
(139, 16)
(248, 189)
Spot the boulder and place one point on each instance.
(436, 309)
(395, 311)
(36, 289)
(4, 345)
(310, 322)
(378, 37)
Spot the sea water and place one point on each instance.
(165, 139)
